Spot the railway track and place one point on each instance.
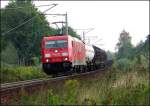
(11, 91)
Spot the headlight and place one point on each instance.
(65, 54)
(66, 59)
(47, 55)
(47, 60)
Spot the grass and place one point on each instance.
(19, 73)
(114, 88)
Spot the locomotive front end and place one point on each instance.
(55, 54)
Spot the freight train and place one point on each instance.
(68, 54)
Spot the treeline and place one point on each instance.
(21, 45)
(129, 57)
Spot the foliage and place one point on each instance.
(9, 54)
(73, 33)
(143, 48)
(131, 58)
(142, 61)
(71, 87)
(124, 64)
(15, 73)
(53, 99)
(124, 45)
(121, 96)
(110, 55)
(26, 99)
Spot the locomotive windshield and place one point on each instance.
(56, 44)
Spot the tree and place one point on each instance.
(9, 54)
(146, 47)
(27, 37)
(142, 49)
(124, 45)
(73, 33)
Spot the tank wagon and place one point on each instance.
(67, 54)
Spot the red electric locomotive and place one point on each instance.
(62, 53)
(66, 54)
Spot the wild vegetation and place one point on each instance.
(20, 73)
(114, 88)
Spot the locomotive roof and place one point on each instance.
(61, 37)
(55, 36)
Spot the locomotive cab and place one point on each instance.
(55, 54)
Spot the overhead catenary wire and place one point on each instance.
(22, 7)
(66, 22)
(28, 20)
(83, 34)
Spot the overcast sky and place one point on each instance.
(108, 18)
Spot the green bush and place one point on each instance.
(53, 99)
(121, 96)
(134, 90)
(68, 98)
(124, 64)
(71, 89)
(9, 54)
(18, 73)
(35, 61)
